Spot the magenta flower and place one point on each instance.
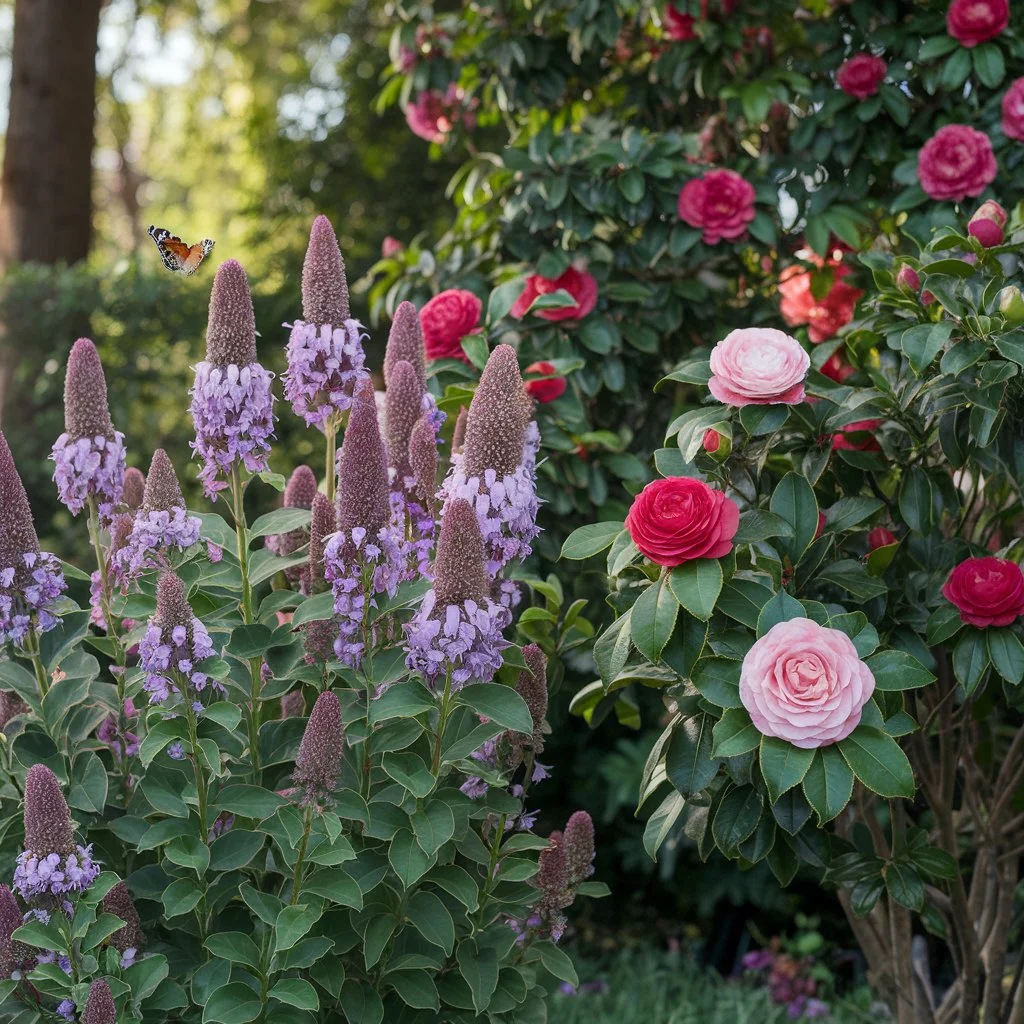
(232, 400)
(320, 752)
(89, 457)
(30, 580)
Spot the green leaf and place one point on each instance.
(292, 924)
(296, 992)
(314, 609)
(743, 600)
(235, 848)
(281, 520)
(1006, 654)
(660, 824)
(479, 967)
(430, 917)
(502, 299)
(590, 540)
(828, 784)
(897, 670)
(236, 947)
(916, 501)
(248, 801)
(718, 679)
(781, 608)
(735, 734)
(232, 1004)
(970, 659)
(989, 64)
(689, 762)
(476, 348)
(415, 988)
(878, 761)
(847, 513)
(433, 825)
(782, 765)
(921, 344)
(360, 1003)
(794, 501)
(335, 885)
(402, 700)
(410, 771)
(736, 818)
(653, 619)
(407, 859)
(501, 704)
(557, 962)
(904, 885)
(265, 565)
(379, 931)
(696, 586)
(943, 623)
(612, 648)
(758, 524)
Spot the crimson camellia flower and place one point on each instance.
(986, 591)
(447, 319)
(678, 519)
(578, 283)
(678, 24)
(880, 537)
(1013, 110)
(720, 203)
(956, 162)
(549, 388)
(971, 22)
(861, 75)
(858, 437)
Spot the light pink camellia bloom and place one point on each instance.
(805, 684)
(758, 366)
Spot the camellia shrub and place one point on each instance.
(291, 782)
(824, 584)
(660, 173)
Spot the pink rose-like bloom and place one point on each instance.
(861, 75)
(987, 224)
(1013, 110)
(679, 519)
(986, 591)
(578, 283)
(434, 114)
(448, 318)
(391, 247)
(720, 203)
(547, 389)
(805, 684)
(758, 366)
(971, 22)
(956, 162)
(679, 26)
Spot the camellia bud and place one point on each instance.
(987, 224)
(880, 537)
(908, 279)
(1011, 304)
(716, 444)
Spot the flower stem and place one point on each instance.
(101, 564)
(301, 856)
(492, 865)
(330, 465)
(32, 647)
(442, 719)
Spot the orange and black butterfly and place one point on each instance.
(178, 257)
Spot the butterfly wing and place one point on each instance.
(178, 257)
(196, 254)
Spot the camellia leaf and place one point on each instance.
(783, 765)
(828, 783)
(878, 761)
(590, 540)
(653, 619)
(897, 670)
(696, 586)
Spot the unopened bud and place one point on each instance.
(908, 279)
(987, 224)
(1011, 304)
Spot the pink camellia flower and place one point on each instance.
(987, 224)
(758, 366)
(861, 75)
(986, 591)
(1013, 110)
(805, 684)
(971, 22)
(391, 247)
(956, 162)
(578, 283)
(447, 319)
(679, 25)
(825, 316)
(434, 114)
(858, 437)
(549, 387)
(679, 519)
(880, 537)
(720, 203)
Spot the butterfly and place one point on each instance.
(178, 257)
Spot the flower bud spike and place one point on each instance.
(579, 847)
(231, 330)
(423, 459)
(320, 752)
(496, 422)
(459, 573)
(363, 467)
(405, 343)
(118, 901)
(17, 531)
(404, 403)
(172, 607)
(14, 955)
(324, 284)
(163, 492)
(293, 705)
(300, 489)
(86, 413)
(322, 525)
(532, 686)
(48, 825)
(134, 487)
(99, 1007)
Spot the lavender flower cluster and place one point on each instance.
(27, 597)
(152, 533)
(53, 874)
(324, 363)
(89, 466)
(165, 652)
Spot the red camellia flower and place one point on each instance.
(837, 368)
(679, 26)
(679, 519)
(825, 316)
(720, 203)
(987, 591)
(578, 283)
(447, 319)
(858, 437)
(1013, 111)
(880, 537)
(971, 22)
(956, 162)
(861, 75)
(548, 389)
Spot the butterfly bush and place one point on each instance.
(212, 739)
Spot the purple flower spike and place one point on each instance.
(324, 284)
(363, 467)
(298, 493)
(404, 400)
(118, 902)
(405, 344)
(30, 580)
(175, 643)
(134, 488)
(161, 526)
(579, 847)
(99, 1007)
(319, 760)
(497, 467)
(51, 863)
(232, 400)
(457, 628)
(423, 459)
(89, 457)
(319, 635)
(14, 955)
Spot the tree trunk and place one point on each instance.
(46, 183)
